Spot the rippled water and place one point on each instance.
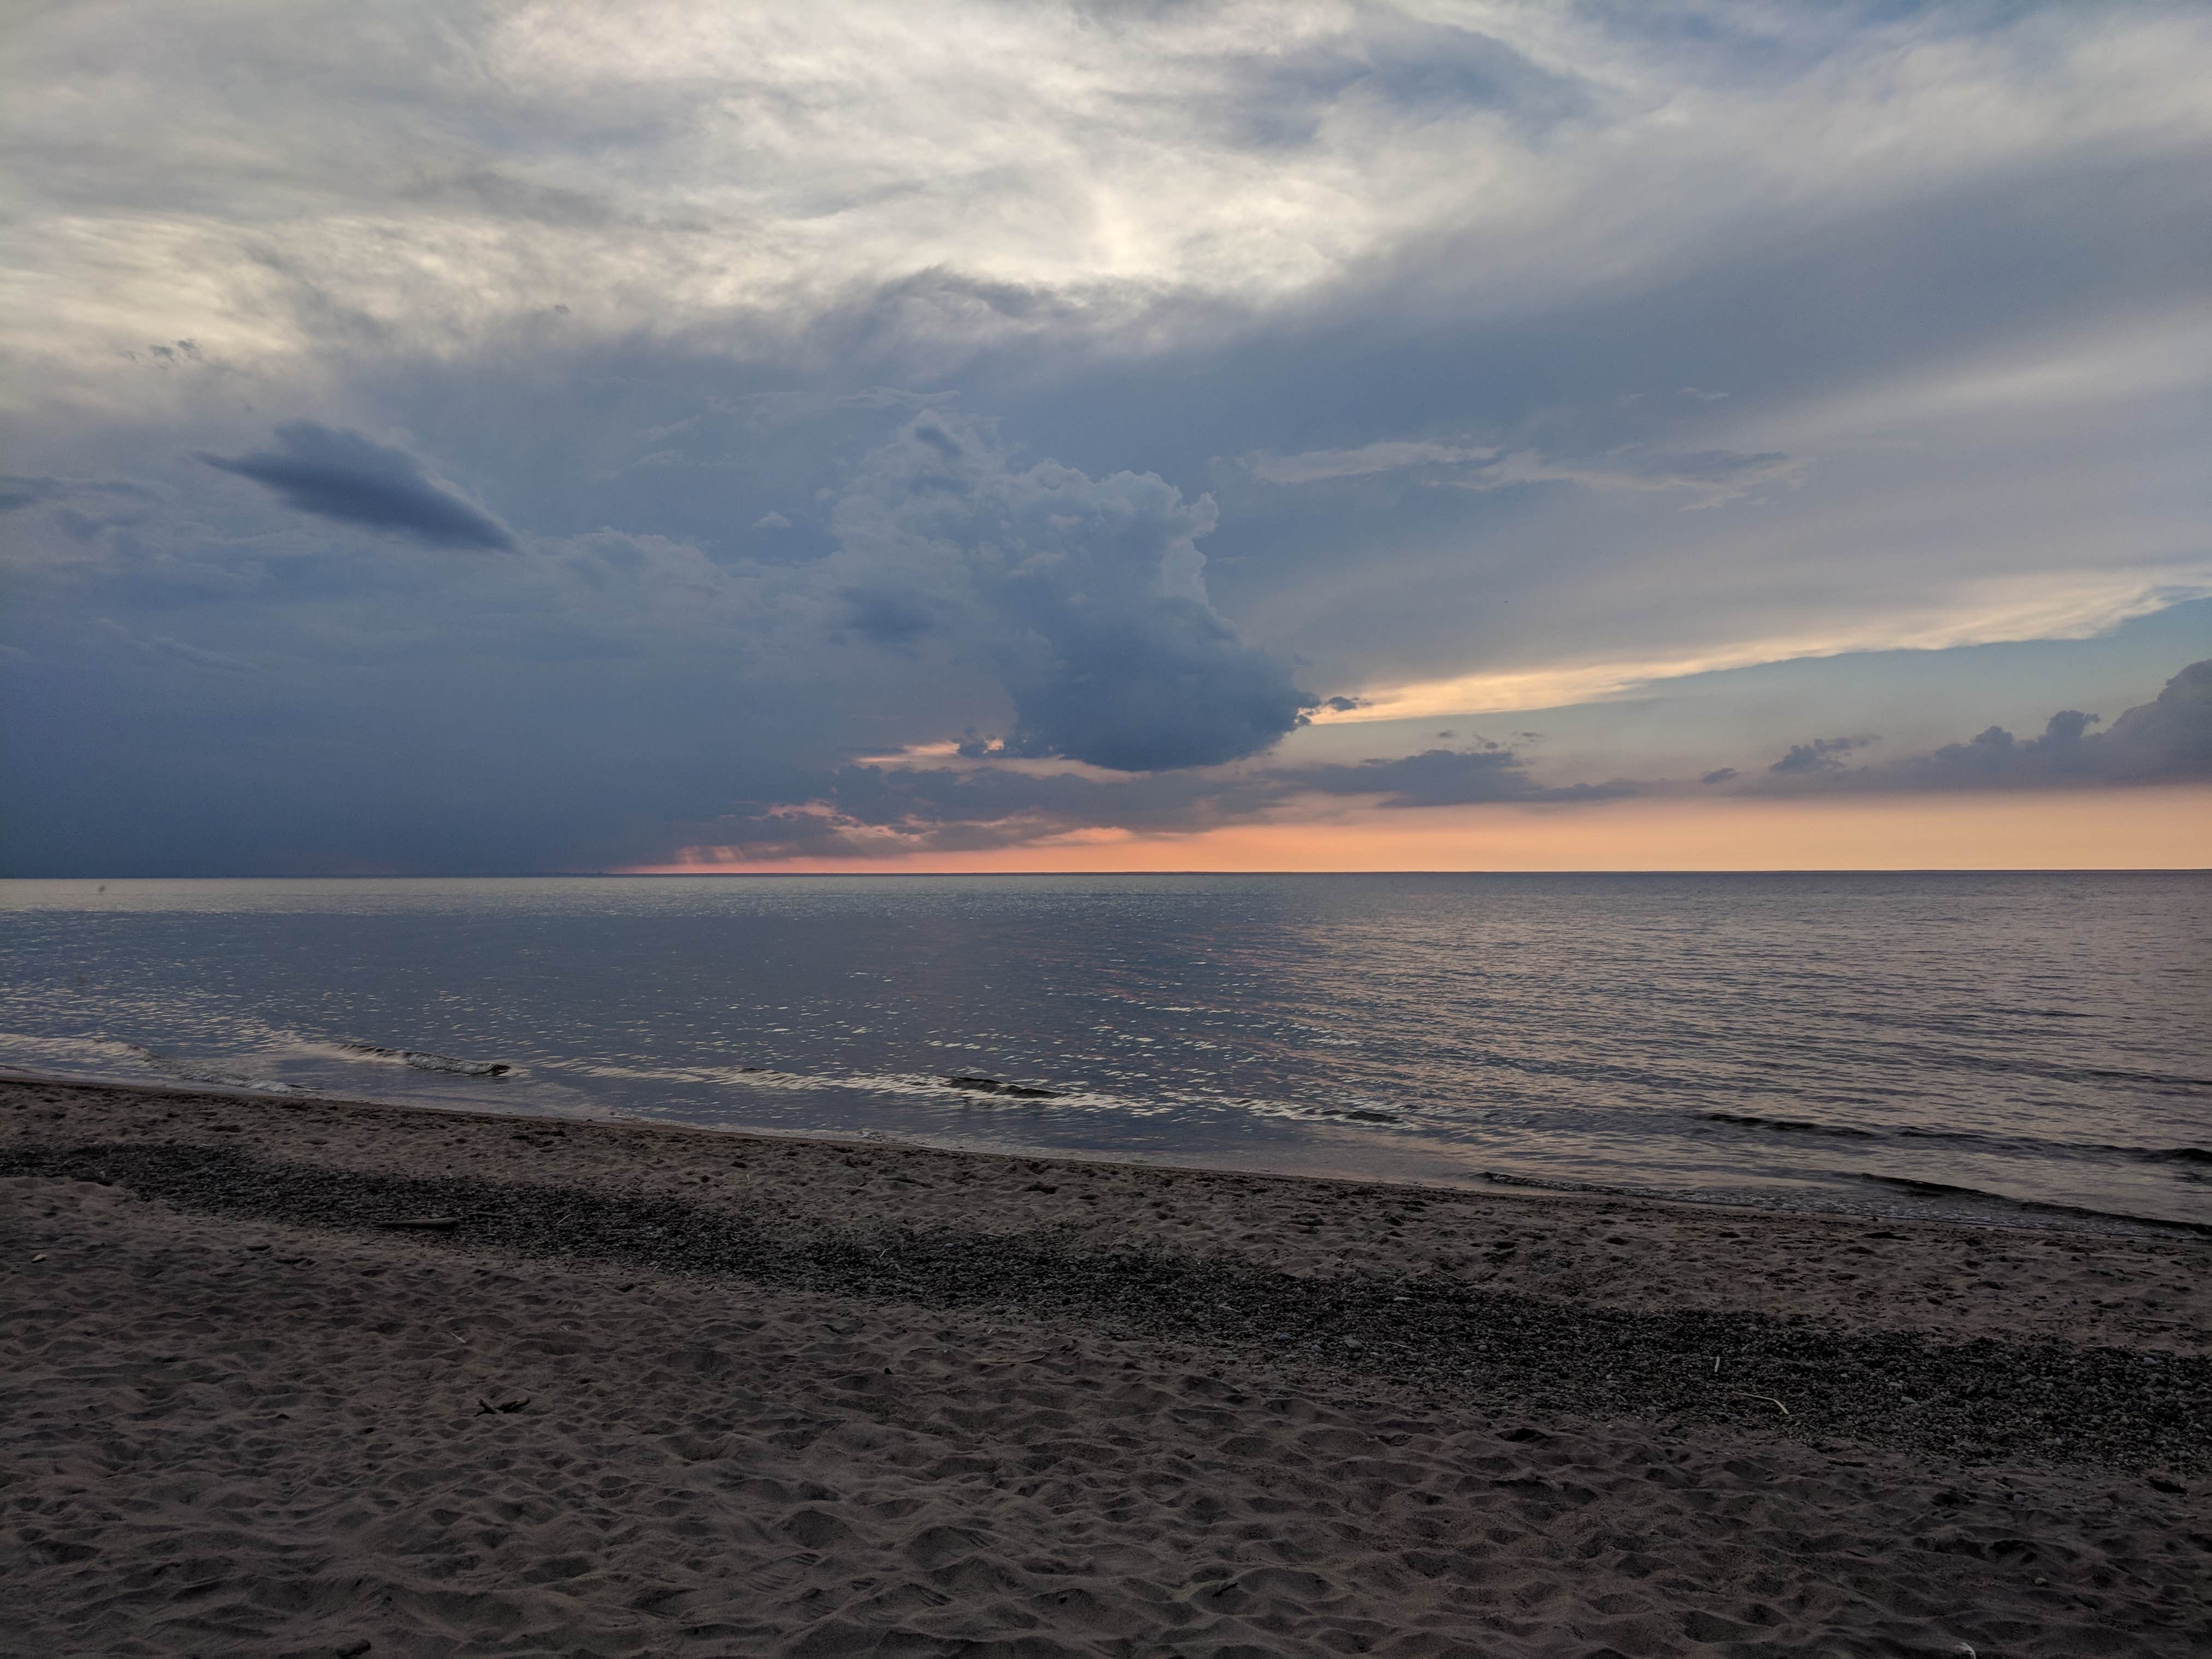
(1866, 1043)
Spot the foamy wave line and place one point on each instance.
(423, 1060)
(187, 1071)
(942, 1088)
(905, 1084)
(68, 1049)
(101, 1055)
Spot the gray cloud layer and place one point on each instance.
(1109, 385)
(1444, 777)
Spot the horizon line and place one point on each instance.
(1047, 875)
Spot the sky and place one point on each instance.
(457, 438)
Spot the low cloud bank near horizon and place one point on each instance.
(877, 812)
(2167, 740)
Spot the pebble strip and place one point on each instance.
(2049, 1403)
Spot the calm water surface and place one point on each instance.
(1985, 1047)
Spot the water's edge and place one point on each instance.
(2002, 1212)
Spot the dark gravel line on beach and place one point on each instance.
(1968, 1401)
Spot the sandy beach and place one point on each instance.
(647, 1390)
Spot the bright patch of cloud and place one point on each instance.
(1988, 613)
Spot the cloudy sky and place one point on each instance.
(532, 437)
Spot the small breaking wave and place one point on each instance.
(109, 1059)
(423, 1060)
(975, 1083)
(901, 1085)
(1946, 1190)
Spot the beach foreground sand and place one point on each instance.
(659, 1391)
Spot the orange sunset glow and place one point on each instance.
(2142, 829)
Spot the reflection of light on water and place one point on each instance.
(1960, 1029)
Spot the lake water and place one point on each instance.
(2008, 1048)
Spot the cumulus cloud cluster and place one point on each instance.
(2166, 740)
(1087, 595)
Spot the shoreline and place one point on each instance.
(2001, 1213)
(1218, 1369)
(281, 1124)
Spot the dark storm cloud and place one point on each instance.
(1088, 600)
(336, 474)
(1171, 686)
